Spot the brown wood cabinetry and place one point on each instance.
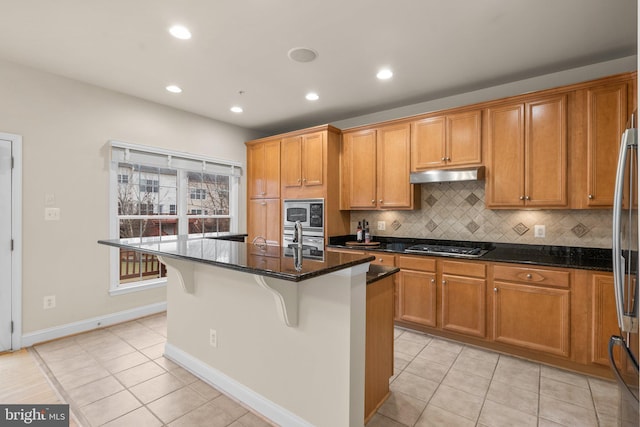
(263, 170)
(303, 162)
(446, 141)
(528, 315)
(378, 344)
(464, 305)
(417, 290)
(604, 320)
(375, 169)
(527, 154)
(263, 220)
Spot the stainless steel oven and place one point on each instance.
(310, 213)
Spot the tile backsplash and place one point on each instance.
(456, 211)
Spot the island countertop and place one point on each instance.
(271, 261)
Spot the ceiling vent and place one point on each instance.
(302, 54)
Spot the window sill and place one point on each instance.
(138, 286)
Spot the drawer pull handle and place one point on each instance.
(380, 259)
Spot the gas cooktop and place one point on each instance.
(455, 251)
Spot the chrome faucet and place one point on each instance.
(297, 233)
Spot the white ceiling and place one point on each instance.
(436, 48)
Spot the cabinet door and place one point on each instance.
(606, 119)
(263, 220)
(394, 190)
(505, 175)
(604, 318)
(359, 169)
(417, 297)
(313, 148)
(464, 139)
(546, 152)
(428, 142)
(263, 166)
(532, 317)
(464, 305)
(291, 165)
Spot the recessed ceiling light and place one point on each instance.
(174, 89)
(312, 96)
(237, 109)
(384, 74)
(180, 32)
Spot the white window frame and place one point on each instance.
(115, 287)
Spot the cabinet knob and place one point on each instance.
(495, 289)
(263, 203)
(373, 202)
(448, 159)
(263, 193)
(381, 201)
(527, 198)
(529, 276)
(590, 196)
(304, 180)
(298, 179)
(433, 281)
(380, 260)
(521, 197)
(444, 159)
(444, 282)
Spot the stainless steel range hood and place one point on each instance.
(447, 175)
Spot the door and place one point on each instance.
(359, 169)
(5, 245)
(393, 165)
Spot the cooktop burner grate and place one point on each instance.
(447, 250)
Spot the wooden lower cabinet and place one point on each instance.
(378, 344)
(263, 220)
(464, 305)
(417, 297)
(604, 322)
(531, 317)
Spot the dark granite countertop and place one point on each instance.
(378, 272)
(552, 256)
(271, 261)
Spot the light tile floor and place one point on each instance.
(117, 376)
(438, 382)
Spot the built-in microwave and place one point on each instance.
(310, 213)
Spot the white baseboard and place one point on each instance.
(233, 388)
(89, 324)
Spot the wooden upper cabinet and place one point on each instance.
(359, 169)
(446, 141)
(303, 160)
(527, 146)
(375, 169)
(394, 190)
(606, 120)
(263, 166)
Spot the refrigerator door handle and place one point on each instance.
(614, 340)
(625, 322)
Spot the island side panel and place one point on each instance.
(314, 370)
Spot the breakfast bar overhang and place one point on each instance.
(283, 334)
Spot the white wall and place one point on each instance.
(65, 126)
(547, 81)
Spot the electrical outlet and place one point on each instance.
(213, 338)
(52, 214)
(49, 199)
(49, 302)
(382, 225)
(539, 231)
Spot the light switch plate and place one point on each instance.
(539, 231)
(382, 225)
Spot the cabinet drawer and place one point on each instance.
(417, 263)
(383, 259)
(462, 268)
(536, 276)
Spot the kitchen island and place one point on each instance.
(283, 334)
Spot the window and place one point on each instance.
(201, 195)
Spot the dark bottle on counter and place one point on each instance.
(359, 236)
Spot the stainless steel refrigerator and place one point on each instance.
(623, 348)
